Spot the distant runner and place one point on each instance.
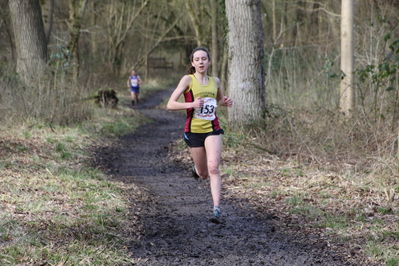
(133, 82)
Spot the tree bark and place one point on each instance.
(246, 54)
(346, 101)
(215, 39)
(93, 21)
(7, 28)
(274, 23)
(30, 39)
(48, 15)
(77, 8)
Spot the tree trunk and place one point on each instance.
(76, 10)
(246, 54)
(224, 69)
(274, 23)
(48, 15)
(30, 39)
(93, 21)
(346, 101)
(7, 28)
(215, 38)
(190, 13)
(193, 11)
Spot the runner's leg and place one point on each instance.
(213, 147)
(133, 94)
(199, 157)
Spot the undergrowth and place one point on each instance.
(338, 176)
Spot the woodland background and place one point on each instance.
(301, 44)
(302, 124)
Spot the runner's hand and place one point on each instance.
(199, 103)
(227, 101)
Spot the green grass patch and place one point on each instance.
(55, 209)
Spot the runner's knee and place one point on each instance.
(213, 169)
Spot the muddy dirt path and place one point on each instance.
(171, 222)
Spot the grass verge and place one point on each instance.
(347, 194)
(57, 209)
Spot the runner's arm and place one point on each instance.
(220, 98)
(174, 104)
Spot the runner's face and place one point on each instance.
(200, 61)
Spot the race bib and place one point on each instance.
(134, 82)
(207, 112)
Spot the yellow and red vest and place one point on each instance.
(201, 120)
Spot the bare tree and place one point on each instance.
(93, 23)
(121, 18)
(155, 43)
(7, 34)
(346, 102)
(30, 39)
(246, 54)
(48, 17)
(196, 13)
(215, 38)
(76, 11)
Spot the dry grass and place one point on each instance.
(340, 178)
(56, 208)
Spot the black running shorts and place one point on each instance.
(198, 139)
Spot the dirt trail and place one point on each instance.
(173, 226)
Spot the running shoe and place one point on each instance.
(216, 218)
(216, 212)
